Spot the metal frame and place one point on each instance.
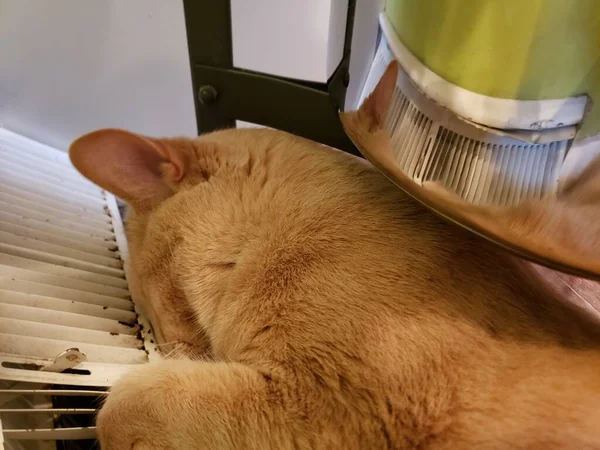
(224, 94)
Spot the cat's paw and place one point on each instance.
(187, 405)
(139, 410)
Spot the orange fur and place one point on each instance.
(338, 313)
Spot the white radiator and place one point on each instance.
(68, 326)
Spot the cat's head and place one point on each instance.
(155, 178)
(189, 199)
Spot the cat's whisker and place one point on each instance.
(196, 333)
(163, 344)
(175, 349)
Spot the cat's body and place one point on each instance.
(337, 312)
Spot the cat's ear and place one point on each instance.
(140, 170)
(365, 126)
(373, 111)
(377, 104)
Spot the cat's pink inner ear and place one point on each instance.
(133, 167)
(376, 106)
(174, 162)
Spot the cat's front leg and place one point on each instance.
(183, 404)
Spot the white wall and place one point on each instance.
(70, 66)
(300, 39)
(304, 39)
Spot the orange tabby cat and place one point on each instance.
(321, 308)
